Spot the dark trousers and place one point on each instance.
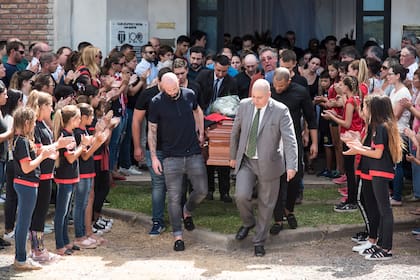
(381, 219)
(41, 208)
(101, 185)
(223, 175)
(289, 190)
(351, 177)
(10, 206)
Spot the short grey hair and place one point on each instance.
(281, 74)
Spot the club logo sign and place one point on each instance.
(133, 33)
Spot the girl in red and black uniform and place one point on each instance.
(350, 123)
(41, 103)
(87, 174)
(27, 173)
(382, 150)
(66, 174)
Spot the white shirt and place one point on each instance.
(143, 66)
(262, 111)
(411, 69)
(396, 96)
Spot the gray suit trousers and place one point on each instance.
(246, 178)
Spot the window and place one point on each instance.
(373, 22)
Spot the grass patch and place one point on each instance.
(224, 217)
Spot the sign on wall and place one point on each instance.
(414, 29)
(135, 33)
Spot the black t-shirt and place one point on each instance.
(86, 167)
(297, 99)
(22, 151)
(142, 104)
(243, 81)
(66, 172)
(195, 87)
(132, 100)
(44, 136)
(298, 79)
(10, 70)
(383, 167)
(176, 124)
(193, 74)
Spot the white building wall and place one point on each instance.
(168, 19)
(403, 12)
(89, 20)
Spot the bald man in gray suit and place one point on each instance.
(263, 147)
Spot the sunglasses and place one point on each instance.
(21, 52)
(153, 52)
(384, 68)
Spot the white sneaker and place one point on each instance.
(107, 220)
(134, 171)
(9, 236)
(362, 247)
(124, 171)
(107, 226)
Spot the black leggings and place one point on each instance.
(361, 202)
(351, 177)
(379, 211)
(10, 206)
(42, 204)
(289, 190)
(102, 183)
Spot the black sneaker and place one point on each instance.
(276, 228)
(179, 246)
(189, 224)
(379, 255)
(291, 220)
(348, 207)
(360, 237)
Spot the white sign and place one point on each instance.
(129, 32)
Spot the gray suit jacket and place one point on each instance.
(276, 144)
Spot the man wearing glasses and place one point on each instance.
(148, 55)
(15, 52)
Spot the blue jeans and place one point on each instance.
(416, 174)
(397, 183)
(62, 205)
(81, 196)
(26, 205)
(174, 169)
(125, 149)
(158, 190)
(115, 142)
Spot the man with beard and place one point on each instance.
(197, 54)
(15, 52)
(297, 99)
(147, 63)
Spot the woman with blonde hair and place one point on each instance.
(41, 103)
(359, 70)
(89, 65)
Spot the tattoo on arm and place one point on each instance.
(152, 138)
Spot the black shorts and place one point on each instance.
(324, 132)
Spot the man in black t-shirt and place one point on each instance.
(297, 99)
(141, 111)
(174, 119)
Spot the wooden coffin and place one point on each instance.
(219, 143)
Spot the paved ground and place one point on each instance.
(132, 254)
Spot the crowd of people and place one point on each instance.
(78, 120)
